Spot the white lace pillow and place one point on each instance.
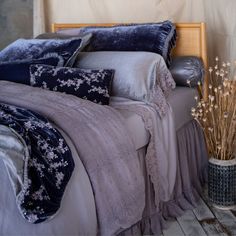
(141, 76)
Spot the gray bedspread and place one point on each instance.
(96, 131)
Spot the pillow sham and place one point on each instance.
(139, 76)
(55, 36)
(29, 49)
(93, 85)
(187, 68)
(18, 71)
(153, 37)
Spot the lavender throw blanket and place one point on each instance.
(97, 131)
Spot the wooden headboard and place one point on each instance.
(191, 41)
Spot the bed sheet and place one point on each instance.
(181, 100)
(136, 128)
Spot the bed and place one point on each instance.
(128, 197)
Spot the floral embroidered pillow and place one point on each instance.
(93, 85)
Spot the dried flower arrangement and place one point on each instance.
(216, 114)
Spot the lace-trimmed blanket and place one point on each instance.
(97, 132)
(161, 157)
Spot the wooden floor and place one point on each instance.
(203, 220)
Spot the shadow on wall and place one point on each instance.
(16, 20)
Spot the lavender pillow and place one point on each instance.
(93, 85)
(29, 49)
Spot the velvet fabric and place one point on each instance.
(18, 71)
(187, 68)
(153, 37)
(93, 85)
(54, 36)
(29, 49)
(47, 163)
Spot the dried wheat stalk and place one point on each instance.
(217, 114)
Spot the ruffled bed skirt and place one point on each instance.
(191, 177)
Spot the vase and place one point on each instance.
(222, 183)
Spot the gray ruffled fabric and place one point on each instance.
(191, 177)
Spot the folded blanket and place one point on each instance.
(104, 146)
(41, 177)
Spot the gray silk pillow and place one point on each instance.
(139, 76)
(187, 68)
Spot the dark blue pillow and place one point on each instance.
(187, 70)
(18, 71)
(93, 85)
(153, 37)
(28, 49)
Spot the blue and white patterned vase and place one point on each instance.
(222, 183)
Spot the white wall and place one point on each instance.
(16, 20)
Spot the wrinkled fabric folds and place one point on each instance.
(120, 198)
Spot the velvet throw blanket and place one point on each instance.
(45, 167)
(104, 146)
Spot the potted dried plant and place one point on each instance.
(216, 114)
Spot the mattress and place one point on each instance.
(181, 101)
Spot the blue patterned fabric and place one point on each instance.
(29, 49)
(93, 85)
(154, 37)
(18, 71)
(48, 167)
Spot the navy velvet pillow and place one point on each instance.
(93, 85)
(187, 68)
(18, 71)
(153, 37)
(29, 49)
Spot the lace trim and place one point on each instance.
(151, 158)
(162, 87)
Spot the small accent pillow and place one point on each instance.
(93, 85)
(187, 68)
(28, 49)
(18, 71)
(141, 76)
(153, 37)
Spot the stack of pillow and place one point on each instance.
(127, 60)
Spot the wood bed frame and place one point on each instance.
(191, 41)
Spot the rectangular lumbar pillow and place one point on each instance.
(93, 85)
(151, 37)
(26, 49)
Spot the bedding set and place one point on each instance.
(95, 136)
